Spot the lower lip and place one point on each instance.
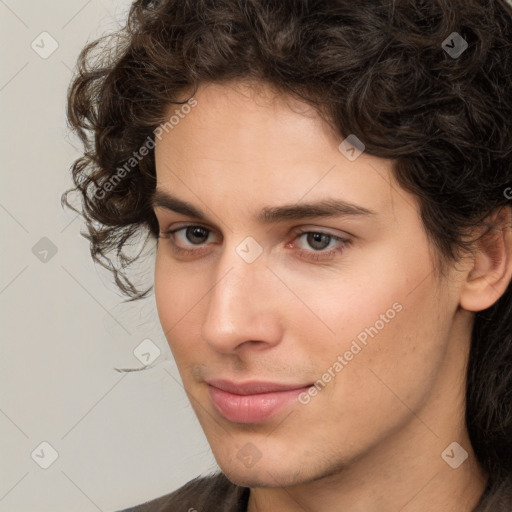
(252, 408)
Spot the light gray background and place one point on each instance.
(121, 438)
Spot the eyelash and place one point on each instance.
(319, 255)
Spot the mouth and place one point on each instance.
(252, 402)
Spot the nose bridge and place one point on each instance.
(239, 307)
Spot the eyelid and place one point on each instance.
(167, 233)
(310, 228)
(294, 233)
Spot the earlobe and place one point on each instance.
(491, 270)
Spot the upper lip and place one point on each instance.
(252, 387)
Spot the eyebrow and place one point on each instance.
(270, 214)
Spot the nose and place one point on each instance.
(242, 305)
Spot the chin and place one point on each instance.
(270, 473)
(261, 477)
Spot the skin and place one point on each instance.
(372, 438)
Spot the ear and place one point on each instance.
(490, 271)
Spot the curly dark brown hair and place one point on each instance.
(379, 69)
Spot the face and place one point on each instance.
(295, 328)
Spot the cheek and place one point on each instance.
(393, 375)
(392, 339)
(178, 296)
(364, 301)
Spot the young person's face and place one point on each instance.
(368, 320)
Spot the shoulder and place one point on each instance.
(214, 492)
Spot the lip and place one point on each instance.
(254, 401)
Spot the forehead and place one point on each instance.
(253, 144)
(241, 121)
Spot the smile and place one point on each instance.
(252, 402)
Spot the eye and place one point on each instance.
(196, 235)
(319, 241)
(187, 236)
(324, 246)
